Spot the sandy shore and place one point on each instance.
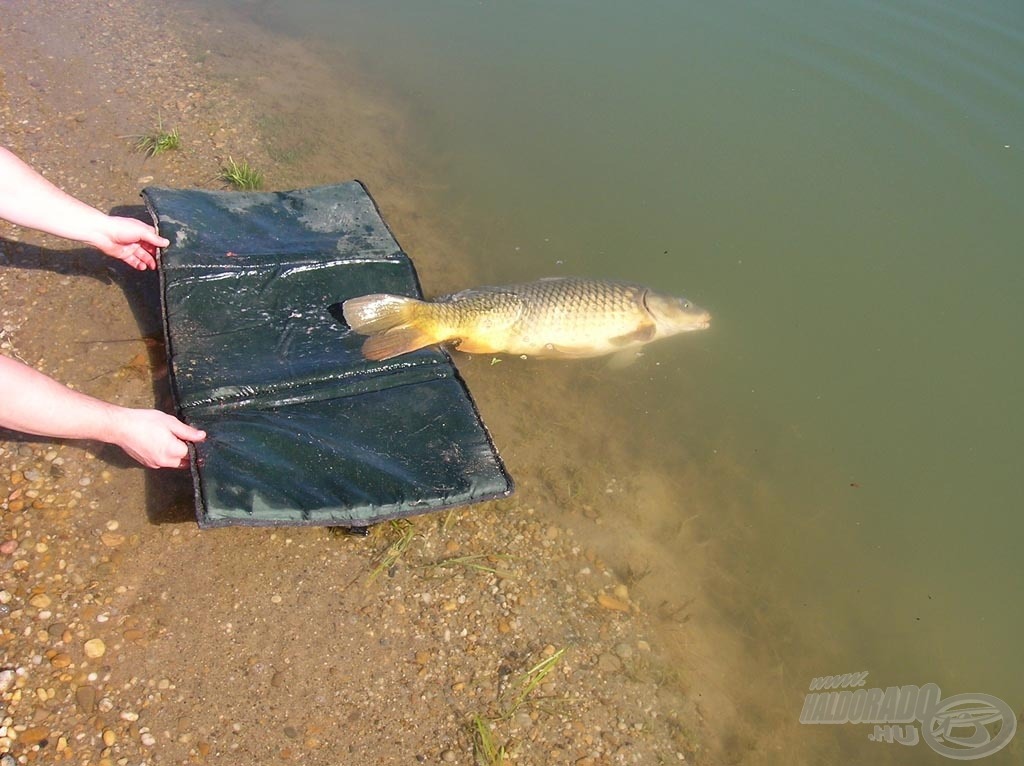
(130, 637)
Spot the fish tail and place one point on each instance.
(371, 314)
(390, 321)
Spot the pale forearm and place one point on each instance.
(32, 403)
(28, 199)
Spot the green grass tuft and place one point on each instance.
(479, 562)
(241, 175)
(530, 680)
(406, 533)
(486, 752)
(159, 141)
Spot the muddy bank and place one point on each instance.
(127, 635)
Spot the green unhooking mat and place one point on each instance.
(301, 429)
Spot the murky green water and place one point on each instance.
(841, 184)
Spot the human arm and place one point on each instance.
(28, 199)
(33, 403)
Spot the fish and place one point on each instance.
(554, 317)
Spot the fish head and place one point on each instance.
(674, 315)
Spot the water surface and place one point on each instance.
(831, 473)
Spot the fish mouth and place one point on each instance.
(684, 318)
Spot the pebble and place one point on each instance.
(95, 648)
(33, 735)
(7, 547)
(7, 677)
(612, 603)
(85, 696)
(40, 601)
(112, 539)
(609, 663)
(449, 756)
(60, 660)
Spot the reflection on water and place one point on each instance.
(825, 481)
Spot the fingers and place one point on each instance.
(133, 242)
(139, 258)
(186, 432)
(156, 439)
(150, 237)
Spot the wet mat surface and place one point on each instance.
(301, 429)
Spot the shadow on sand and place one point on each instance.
(169, 497)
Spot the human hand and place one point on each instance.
(154, 438)
(128, 240)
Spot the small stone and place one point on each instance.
(623, 651)
(40, 601)
(85, 696)
(449, 756)
(7, 547)
(611, 602)
(113, 525)
(148, 739)
(60, 660)
(109, 737)
(112, 539)
(609, 663)
(33, 736)
(7, 677)
(95, 648)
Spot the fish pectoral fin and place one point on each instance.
(642, 334)
(620, 360)
(397, 341)
(477, 346)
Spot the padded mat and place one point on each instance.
(300, 428)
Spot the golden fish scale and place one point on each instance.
(564, 312)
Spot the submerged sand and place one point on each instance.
(129, 636)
